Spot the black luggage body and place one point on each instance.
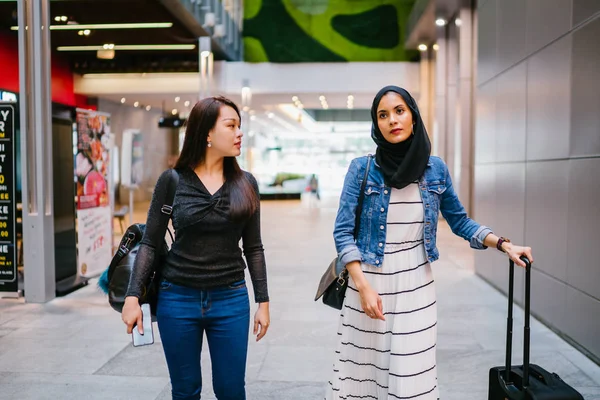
(527, 381)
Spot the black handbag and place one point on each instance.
(115, 279)
(332, 286)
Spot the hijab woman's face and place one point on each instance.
(394, 118)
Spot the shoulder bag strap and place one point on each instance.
(167, 208)
(361, 197)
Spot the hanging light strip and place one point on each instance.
(136, 25)
(129, 47)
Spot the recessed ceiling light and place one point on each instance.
(57, 19)
(174, 112)
(295, 98)
(148, 108)
(440, 22)
(270, 115)
(123, 100)
(87, 32)
(436, 47)
(108, 46)
(63, 18)
(187, 103)
(423, 47)
(458, 22)
(321, 98)
(350, 97)
(136, 104)
(177, 99)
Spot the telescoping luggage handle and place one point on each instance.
(511, 284)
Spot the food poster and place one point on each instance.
(94, 217)
(91, 159)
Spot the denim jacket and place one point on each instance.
(437, 194)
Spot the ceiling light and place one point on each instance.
(80, 33)
(74, 27)
(148, 108)
(108, 46)
(57, 19)
(187, 103)
(440, 22)
(253, 118)
(136, 104)
(86, 32)
(295, 98)
(325, 106)
(174, 112)
(423, 47)
(436, 47)
(205, 54)
(270, 115)
(321, 98)
(130, 47)
(350, 97)
(123, 100)
(458, 22)
(63, 18)
(177, 99)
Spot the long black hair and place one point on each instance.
(243, 199)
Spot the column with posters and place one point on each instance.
(94, 216)
(8, 260)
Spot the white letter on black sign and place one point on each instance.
(5, 114)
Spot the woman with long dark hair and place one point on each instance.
(202, 288)
(388, 327)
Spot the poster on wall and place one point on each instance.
(8, 260)
(132, 171)
(94, 216)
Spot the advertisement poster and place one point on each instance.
(8, 259)
(132, 158)
(94, 217)
(94, 240)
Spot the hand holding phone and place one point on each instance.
(148, 336)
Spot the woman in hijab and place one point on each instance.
(387, 333)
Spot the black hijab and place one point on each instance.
(405, 162)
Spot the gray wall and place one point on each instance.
(537, 153)
(157, 142)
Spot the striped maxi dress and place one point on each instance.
(395, 358)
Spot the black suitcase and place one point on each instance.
(527, 381)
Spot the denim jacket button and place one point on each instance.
(382, 209)
(380, 244)
(376, 261)
(385, 192)
(381, 227)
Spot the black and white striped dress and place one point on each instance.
(395, 358)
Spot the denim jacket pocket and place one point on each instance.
(436, 189)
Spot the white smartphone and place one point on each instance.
(148, 336)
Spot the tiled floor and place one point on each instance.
(76, 347)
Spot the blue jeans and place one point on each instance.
(183, 315)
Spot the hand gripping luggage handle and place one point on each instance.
(511, 284)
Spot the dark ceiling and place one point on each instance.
(117, 11)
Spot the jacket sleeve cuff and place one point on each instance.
(349, 254)
(479, 236)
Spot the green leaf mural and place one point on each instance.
(326, 30)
